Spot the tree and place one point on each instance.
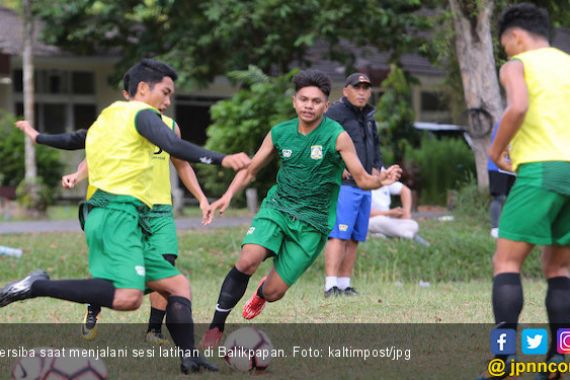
(31, 187)
(209, 38)
(474, 50)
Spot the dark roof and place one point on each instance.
(11, 36)
(368, 60)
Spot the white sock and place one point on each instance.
(330, 281)
(343, 282)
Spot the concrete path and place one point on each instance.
(182, 224)
(73, 225)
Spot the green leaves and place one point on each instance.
(205, 39)
(241, 123)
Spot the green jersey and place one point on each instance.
(309, 178)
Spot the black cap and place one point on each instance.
(356, 78)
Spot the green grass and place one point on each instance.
(387, 275)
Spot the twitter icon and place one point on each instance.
(534, 341)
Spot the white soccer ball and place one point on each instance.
(248, 349)
(43, 367)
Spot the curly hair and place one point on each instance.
(310, 78)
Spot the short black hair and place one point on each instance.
(149, 71)
(525, 16)
(310, 78)
(126, 80)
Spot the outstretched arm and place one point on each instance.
(70, 180)
(244, 177)
(512, 79)
(345, 147)
(190, 181)
(149, 125)
(67, 141)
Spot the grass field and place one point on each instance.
(455, 308)
(388, 272)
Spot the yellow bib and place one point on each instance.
(118, 157)
(160, 193)
(545, 132)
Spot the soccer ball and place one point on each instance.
(248, 349)
(63, 368)
(29, 368)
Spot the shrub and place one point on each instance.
(241, 123)
(471, 202)
(12, 156)
(441, 165)
(395, 115)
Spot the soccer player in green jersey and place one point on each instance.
(537, 211)
(298, 213)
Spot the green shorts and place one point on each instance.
(535, 211)
(117, 249)
(295, 244)
(160, 220)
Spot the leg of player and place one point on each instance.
(507, 287)
(92, 291)
(334, 254)
(555, 263)
(346, 267)
(271, 288)
(179, 321)
(89, 325)
(232, 291)
(158, 306)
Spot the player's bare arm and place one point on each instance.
(345, 147)
(512, 79)
(244, 177)
(70, 180)
(190, 181)
(27, 128)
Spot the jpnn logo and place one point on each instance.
(534, 341)
(503, 342)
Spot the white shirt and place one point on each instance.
(381, 197)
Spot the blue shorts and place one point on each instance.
(352, 214)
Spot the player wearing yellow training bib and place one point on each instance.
(537, 212)
(160, 219)
(119, 148)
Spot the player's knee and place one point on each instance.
(551, 271)
(272, 295)
(127, 301)
(247, 266)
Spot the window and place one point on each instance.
(432, 101)
(434, 107)
(65, 100)
(84, 115)
(83, 83)
(54, 117)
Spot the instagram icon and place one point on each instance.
(563, 341)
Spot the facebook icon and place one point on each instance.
(503, 342)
